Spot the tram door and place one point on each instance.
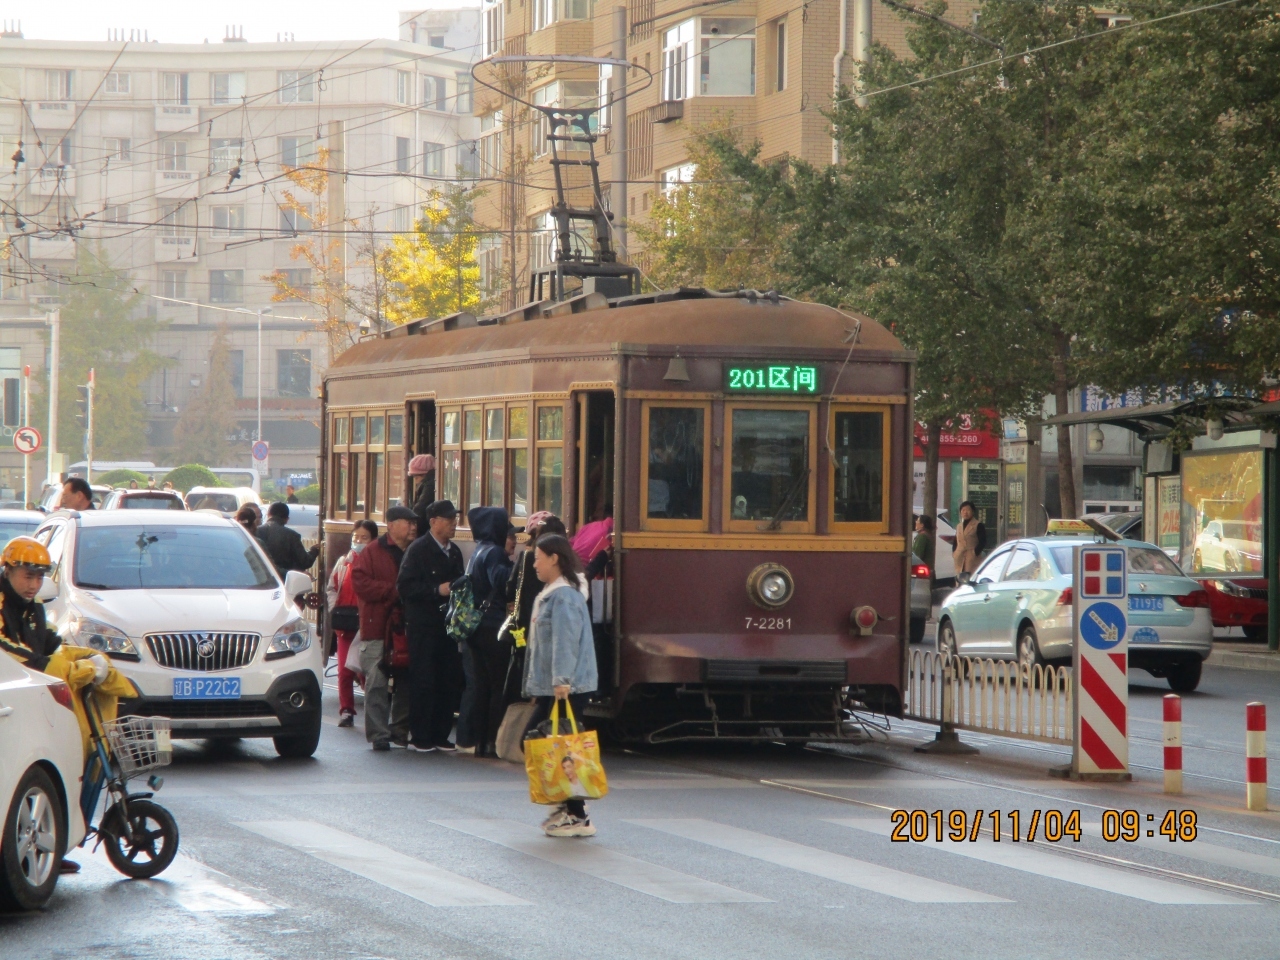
(596, 423)
(419, 437)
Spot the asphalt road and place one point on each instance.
(703, 851)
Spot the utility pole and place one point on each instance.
(258, 435)
(26, 422)
(618, 132)
(85, 419)
(55, 323)
(88, 470)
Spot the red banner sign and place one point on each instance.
(960, 441)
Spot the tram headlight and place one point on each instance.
(770, 586)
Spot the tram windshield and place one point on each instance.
(770, 465)
(675, 463)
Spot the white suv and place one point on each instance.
(190, 609)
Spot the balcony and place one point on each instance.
(47, 181)
(169, 249)
(173, 117)
(53, 114)
(666, 111)
(177, 184)
(52, 248)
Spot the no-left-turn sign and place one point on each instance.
(26, 440)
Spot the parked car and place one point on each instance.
(1018, 605)
(226, 500)
(1238, 602)
(18, 523)
(192, 611)
(305, 518)
(53, 493)
(144, 500)
(921, 597)
(1123, 524)
(41, 761)
(944, 565)
(1228, 546)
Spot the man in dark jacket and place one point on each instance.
(284, 544)
(373, 574)
(431, 565)
(484, 659)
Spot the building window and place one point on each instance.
(117, 213)
(226, 286)
(403, 160)
(677, 56)
(436, 40)
(433, 159)
(562, 93)
(673, 481)
(465, 101)
(728, 64)
(228, 220)
(296, 219)
(296, 281)
(404, 86)
(673, 177)
(435, 93)
(490, 142)
(117, 83)
(174, 88)
(780, 56)
(175, 218)
(235, 367)
(58, 84)
(117, 148)
(224, 154)
(173, 283)
(296, 86)
(770, 465)
(402, 219)
(493, 27)
(228, 87)
(64, 150)
(468, 159)
(858, 478)
(293, 373)
(173, 155)
(490, 260)
(296, 151)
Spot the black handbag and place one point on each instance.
(346, 619)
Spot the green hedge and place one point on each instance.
(121, 478)
(191, 475)
(308, 494)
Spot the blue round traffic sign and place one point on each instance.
(260, 450)
(1102, 625)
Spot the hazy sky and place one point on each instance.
(173, 21)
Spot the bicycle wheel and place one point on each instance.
(154, 844)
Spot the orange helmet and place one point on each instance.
(26, 552)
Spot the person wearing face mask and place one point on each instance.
(344, 615)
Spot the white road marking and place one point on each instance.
(1035, 859)
(192, 885)
(430, 884)
(1207, 852)
(602, 863)
(820, 863)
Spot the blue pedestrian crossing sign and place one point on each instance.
(1102, 625)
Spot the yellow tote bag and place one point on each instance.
(562, 767)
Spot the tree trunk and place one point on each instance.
(1068, 504)
(929, 504)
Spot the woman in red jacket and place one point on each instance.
(345, 616)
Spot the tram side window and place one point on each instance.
(342, 476)
(858, 467)
(770, 469)
(550, 463)
(357, 485)
(518, 459)
(395, 460)
(451, 475)
(675, 459)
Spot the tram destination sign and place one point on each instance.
(764, 377)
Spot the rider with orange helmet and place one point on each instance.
(23, 632)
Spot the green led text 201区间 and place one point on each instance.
(771, 378)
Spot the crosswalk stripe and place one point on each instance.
(820, 863)
(189, 883)
(1206, 852)
(414, 878)
(602, 863)
(1034, 859)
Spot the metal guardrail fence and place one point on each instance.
(1000, 697)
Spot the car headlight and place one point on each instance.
(96, 635)
(293, 637)
(770, 586)
(1230, 588)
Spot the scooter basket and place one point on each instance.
(140, 743)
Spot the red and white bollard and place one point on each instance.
(1255, 754)
(1172, 743)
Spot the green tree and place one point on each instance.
(209, 419)
(433, 272)
(121, 478)
(191, 475)
(103, 329)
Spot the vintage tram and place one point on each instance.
(753, 451)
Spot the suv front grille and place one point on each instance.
(203, 652)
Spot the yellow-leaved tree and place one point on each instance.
(432, 272)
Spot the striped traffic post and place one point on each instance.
(1100, 656)
(1255, 756)
(1172, 743)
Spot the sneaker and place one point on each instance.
(556, 813)
(570, 826)
(381, 746)
(395, 742)
(446, 747)
(348, 720)
(467, 751)
(415, 748)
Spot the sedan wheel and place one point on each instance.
(32, 844)
(1028, 650)
(946, 639)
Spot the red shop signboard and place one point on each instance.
(962, 443)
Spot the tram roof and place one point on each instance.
(687, 322)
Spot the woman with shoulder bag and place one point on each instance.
(484, 656)
(560, 663)
(344, 616)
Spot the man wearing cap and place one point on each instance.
(431, 564)
(422, 468)
(373, 573)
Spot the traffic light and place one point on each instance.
(82, 406)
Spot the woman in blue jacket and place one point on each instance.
(561, 659)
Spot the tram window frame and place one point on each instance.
(880, 526)
(495, 449)
(539, 447)
(661, 523)
(472, 462)
(515, 446)
(376, 462)
(395, 457)
(807, 525)
(340, 498)
(449, 469)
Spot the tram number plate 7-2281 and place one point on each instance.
(768, 623)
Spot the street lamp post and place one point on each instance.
(261, 311)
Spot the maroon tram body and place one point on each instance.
(754, 453)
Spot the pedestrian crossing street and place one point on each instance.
(198, 888)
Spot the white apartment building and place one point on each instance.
(173, 158)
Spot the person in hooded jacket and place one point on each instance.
(484, 658)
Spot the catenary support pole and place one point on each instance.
(1255, 753)
(618, 132)
(1172, 743)
(55, 324)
